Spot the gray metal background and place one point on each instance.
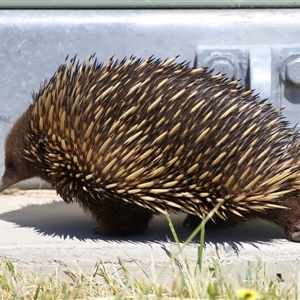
(257, 42)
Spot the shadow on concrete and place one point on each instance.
(69, 221)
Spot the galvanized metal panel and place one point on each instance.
(34, 42)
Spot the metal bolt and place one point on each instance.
(290, 70)
(222, 65)
(293, 72)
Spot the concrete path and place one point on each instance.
(40, 232)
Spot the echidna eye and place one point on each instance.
(10, 166)
(42, 147)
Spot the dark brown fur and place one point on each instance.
(131, 139)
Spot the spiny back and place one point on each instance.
(161, 135)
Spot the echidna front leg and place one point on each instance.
(123, 220)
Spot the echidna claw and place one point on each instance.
(97, 230)
(295, 236)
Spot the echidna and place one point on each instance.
(133, 138)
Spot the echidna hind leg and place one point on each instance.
(288, 219)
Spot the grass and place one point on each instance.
(186, 280)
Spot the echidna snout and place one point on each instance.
(16, 167)
(134, 138)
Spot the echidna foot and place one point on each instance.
(293, 233)
(295, 236)
(193, 221)
(288, 218)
